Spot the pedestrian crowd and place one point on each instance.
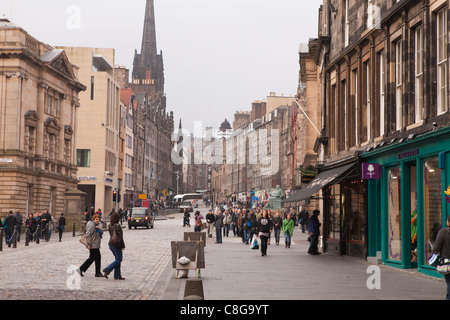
(38, 226)
(257, 223)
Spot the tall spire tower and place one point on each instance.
(148, 66)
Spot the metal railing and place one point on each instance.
(11, 240)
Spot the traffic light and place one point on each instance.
(115, 195)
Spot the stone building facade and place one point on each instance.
(383, 75)
(39, 106)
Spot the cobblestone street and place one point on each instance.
(45, 271)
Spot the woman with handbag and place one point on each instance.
(442, 248)
(116, 245)
(94, 238)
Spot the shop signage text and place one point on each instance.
(407, 154)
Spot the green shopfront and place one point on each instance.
(407, 203)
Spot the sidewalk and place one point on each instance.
(235, 272)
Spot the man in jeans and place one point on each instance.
(210, 218)
(219, 226)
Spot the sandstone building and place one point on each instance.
(39, 107)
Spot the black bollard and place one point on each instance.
(38, 234)
(1, 239)
(15, 238)
(27, 237)
(73, 232)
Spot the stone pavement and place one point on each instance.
(235, 272)
(45, 271)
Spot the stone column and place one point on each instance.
(74, 208)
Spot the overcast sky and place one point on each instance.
(219, 55)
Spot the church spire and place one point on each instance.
(148, 66)
(148, 48)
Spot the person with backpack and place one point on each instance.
(314, 232)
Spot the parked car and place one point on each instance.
(140, 217)
(186, 205)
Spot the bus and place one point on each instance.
(194, 198)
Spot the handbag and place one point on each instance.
(443, 266)
(83, 239)
(115, 240)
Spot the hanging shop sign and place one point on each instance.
(371, 171)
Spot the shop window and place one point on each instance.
(334, 212)
(356, 221)
(394, 215)
(432, 202)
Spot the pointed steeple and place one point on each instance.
(148, 48)
(148, 67)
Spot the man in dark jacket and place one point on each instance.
(244, 226)
(210, 218)
(8, 225)
(19, 222)
(45, 219)
(277, 223)
(219, 226)
(314, 230)
(303, 215)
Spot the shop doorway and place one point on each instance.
(89, 189)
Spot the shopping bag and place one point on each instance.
(255, 243)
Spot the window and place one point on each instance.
(432, 203)
(49, 104)
(398, 85)
(347, 23)
(394, 215)
(55, 107)
(382, 91)
(418, 59)
(333, 201)
(366, 107)
(354, 113)
(343, 117)
(442, 61)
(83, 158)
(92, 87)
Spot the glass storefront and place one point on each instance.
(407, 203)
(394, 214)
(346, 218)
(334, 208)
(357, 215)
(432, 200)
